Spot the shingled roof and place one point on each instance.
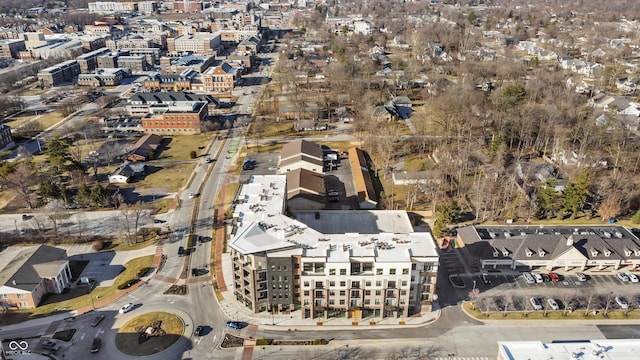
(31, 265)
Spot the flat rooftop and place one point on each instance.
(337, 236)
(622, 349)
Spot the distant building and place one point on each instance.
(104, 77)
(33, 273)
(176, 65)
(126, 172)
(170, 113)
(6, 140)
(109, 7)
(306, 190)
(10, 48)
(173, 82)
(198, 43)
(56, 75)
(135, 64)
(89, 62)
(221, 78)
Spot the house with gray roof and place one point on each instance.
(559, 247)
(33, 273)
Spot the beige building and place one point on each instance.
(32, 273)
(221, 78)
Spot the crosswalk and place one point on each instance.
(461, 358)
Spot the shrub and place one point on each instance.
(261, 342)
(98, 245)
(319, 342)
(193, 154)
(142, 272)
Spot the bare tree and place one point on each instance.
(589, 298)
(21, 180)
(474, 296)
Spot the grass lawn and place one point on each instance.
(131, 270)
(163, 205)
(170, 176)
(277, 129)
(413, 162)
(48, 120)
(180, 147)
(16, 121)
(33, 91)
(550, 315)
(127, 337)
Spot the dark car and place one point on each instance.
(180, 251)
(50, 345)
(199, 331)
(25, 217)
(95, 345)
(236, 324)
(97, 320)
(208, 160)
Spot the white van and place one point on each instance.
(538, 277)
(528, 278)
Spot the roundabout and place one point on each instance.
(149, 333)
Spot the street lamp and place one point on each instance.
(474, 285)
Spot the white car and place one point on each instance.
(192, 195)
(622, 276)
(126, 308)
(581, 277)
(632, 277)
(622, 302)
(535, 303)
(552, 304)
(537, 277)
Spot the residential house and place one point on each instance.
(301, 154)
(306, 190)
(145, 148)
(31, 274)
(628, 85)
(127, 172)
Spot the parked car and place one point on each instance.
(537, 277)
(622, 276)
(581, 277)
(545, 277)
(535, 303)
(485, 278)
(554, 277)
(126, 308)
(208, 160)
(553, 304)
(528, 278)
(199, 331)
(50, 345)
(180, 251)
(95, 345)
(632, 277)
(236, 324)
(97, 320)
(192, 195)
(622, 302)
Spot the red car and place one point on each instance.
(554, 277)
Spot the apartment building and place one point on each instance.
(104, 77)
(89, 62)
(355, 264)
(197, 43)
(9, 48)
(6, 139)
(174, 82)
(59, 74)
(135, 64)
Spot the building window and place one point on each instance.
(367, 292)
(355, 293)
(332, 302)
(378, 292)
(404, 283)
(342, 302)
(306, 293)
(367, 283)
(343, 293)
(377, 301)
(343, 271)
(378, 271)
(367, 301)
(392, 271)
(273, 268)
(355, 284)
(343, 283)
(332, 283)
(319, 284)
(319, 293)
(378, 283)
(403, 292)
(20, 296)
(332, 271)
(306, 284)
(405, 271)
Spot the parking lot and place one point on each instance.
(511, 292)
